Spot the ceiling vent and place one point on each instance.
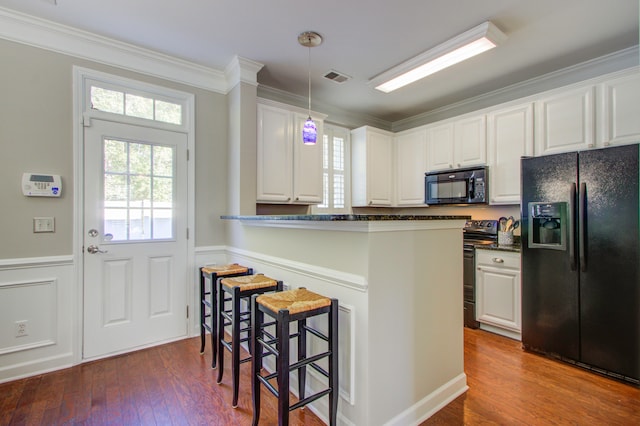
(336, 76)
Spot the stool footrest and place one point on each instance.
(268, 347)
(311, 360)
(268, 385)
(309, 399)
(316, 333)
(207, 326)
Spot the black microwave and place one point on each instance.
(460, 186)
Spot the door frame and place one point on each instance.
(81, 112)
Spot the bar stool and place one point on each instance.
(239, 288)
(207, 306)
(285, 308)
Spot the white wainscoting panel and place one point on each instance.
(39, 291)
(38, 317)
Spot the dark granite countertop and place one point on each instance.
(345, 217)
(516, 248)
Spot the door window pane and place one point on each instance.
(138, 185)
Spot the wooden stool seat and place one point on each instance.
(208, 298)
(224, 270)
(239, 288)
(295, 301)
(249, 282)
(285, 308)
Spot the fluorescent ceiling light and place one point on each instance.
(479, 39)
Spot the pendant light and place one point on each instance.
(309, 39)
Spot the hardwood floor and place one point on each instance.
(173, 384)
(166, 385)
(508, 386)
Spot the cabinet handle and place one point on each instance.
(498, 260)
(288, 198)
(451, 166)
(459, 165)
(370, 202)
(297, 198)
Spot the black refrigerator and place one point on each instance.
(581, 259)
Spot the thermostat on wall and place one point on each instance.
(41, 185)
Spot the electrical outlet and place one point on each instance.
(21, 328)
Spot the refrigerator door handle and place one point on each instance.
(572, 227)
(582, 225)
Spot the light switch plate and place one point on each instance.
(43, 224)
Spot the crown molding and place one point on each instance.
(242, 70)
(616, 61)
(334, 115)
(25, 29)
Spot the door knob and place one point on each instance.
(93, 249)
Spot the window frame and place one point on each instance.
(331, 131)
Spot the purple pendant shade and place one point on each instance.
(309, 132)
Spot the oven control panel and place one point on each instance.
(482, 227)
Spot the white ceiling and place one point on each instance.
(361, 39)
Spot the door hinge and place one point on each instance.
(187, 233)
(188, 156)
(187, 311)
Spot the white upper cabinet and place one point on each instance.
(371, 167)
(565, 121)
(440, 147)
(470, 147)
(288, 171)
(456, 144)
(510, 136)
(411, 164)
(621, 110)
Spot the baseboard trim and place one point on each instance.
(36, 367)
(432, 403)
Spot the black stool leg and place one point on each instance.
(282, 365)
(302, 354)
(235, 343)
(220, 328)
(214, 320)
(256, 362)
(202, 311)
(333, 362)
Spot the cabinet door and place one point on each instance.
(565, 122)
(274, 162)
(621, 124)
(510, 136)
(379, 176)
(307, 165)
(440, 147)
(498, 295)
(411, 163)
(470, 145)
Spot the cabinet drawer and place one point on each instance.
(496, 258)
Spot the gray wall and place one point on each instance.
(36, 135)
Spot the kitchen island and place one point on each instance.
(399, 283)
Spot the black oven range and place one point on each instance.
(476, 233)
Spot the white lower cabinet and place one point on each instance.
(498, 292)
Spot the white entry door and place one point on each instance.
(135, 242)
